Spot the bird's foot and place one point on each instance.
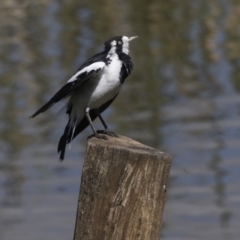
(97, 136)
(107, 132)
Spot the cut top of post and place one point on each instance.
(126, 143)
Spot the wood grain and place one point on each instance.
(122, 191)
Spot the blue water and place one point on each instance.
(182, 98)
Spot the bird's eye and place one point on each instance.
(120, 42)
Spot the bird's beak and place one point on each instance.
(131, 38)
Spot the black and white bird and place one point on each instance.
(92, 89)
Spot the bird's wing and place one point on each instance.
(74, 83)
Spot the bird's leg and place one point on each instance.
(106, 131)
(95, 133)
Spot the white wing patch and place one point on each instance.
(94, 66)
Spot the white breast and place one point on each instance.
(109, 84)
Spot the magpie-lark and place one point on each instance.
(92, 89)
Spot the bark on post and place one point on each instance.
(122, 191)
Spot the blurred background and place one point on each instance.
(182, 98)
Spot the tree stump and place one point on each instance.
(122, 191)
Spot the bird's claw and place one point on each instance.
(107, 132)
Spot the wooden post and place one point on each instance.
(122, 191)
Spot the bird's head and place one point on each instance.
(118, 44)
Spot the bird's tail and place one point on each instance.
(67, 136)
(63, 142)
(68, 132)
(73, 128)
